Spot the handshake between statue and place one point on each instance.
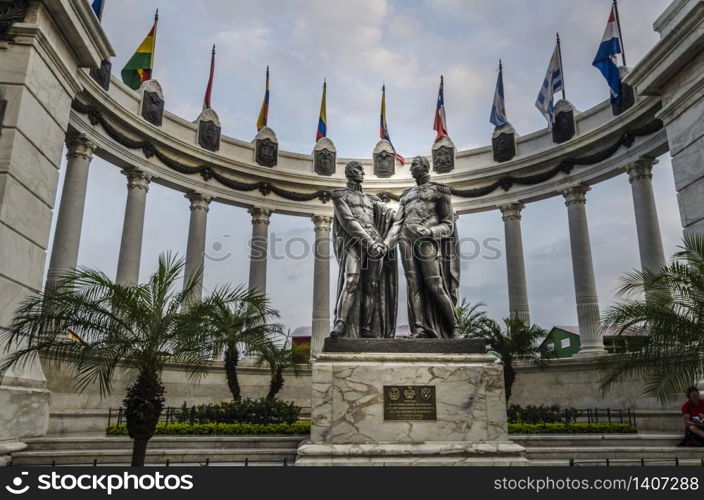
(366, 234)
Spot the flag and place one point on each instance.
(139, 68)
(209, 88)
(605, 60)
(264, 113)
(498, 110)
(551, 86)
(323, 120)
(440, 123)
(384, 128)
(98, 8)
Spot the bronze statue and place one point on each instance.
(427, 238)
(367, 287)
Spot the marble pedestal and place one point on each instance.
(348, 421)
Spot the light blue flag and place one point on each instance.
(498, 110)
(551, 86)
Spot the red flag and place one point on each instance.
(209, 89)
(440, 123)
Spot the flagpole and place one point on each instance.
(156, 21)
(620, 33)
(562, 67)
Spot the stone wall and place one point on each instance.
(574, 382)
(565, 382)
(87, 411)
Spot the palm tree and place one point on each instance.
(238, 320)
(470, 319)
(279, 358)
(97, 325)
(516, 341)
(669, 306)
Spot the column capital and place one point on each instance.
(641, 169)
(79, 146)
(512, 211)
(260, 215)
(321, 223)
(137, 179)
(576, 195)
(199, 201)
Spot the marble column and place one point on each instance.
(588, 314)
(69, 222)
(258, 249)
(321, 284)
(640, 175)
(515, 265)
(133, 226)
(195, 249)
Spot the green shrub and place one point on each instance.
(572, 428)
(532, 414)
(256, 411)
(218, 429)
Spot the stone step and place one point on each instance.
(164, 442)
(604, 440)
(156, 456)
(613, 452)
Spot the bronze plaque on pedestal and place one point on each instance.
(409, 402)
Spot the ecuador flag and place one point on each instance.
(139, 68)
(264, 112)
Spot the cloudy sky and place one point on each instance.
(357, 45)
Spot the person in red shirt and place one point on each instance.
(693, 414)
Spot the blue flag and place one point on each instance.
(498, 109)
(605, 60)
(98, 8)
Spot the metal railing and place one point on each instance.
(169, 415)
(285, 462)
(608, 462)
(585, 415)
(174, 415)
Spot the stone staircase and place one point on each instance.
(619, 449)
(177, 450)
(548, 450)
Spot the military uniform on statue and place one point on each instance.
(427, 238)
(367, 286)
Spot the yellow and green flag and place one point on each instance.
(139, 68)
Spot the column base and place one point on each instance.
(24, 403)
(591, 352)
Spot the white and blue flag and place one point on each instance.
(605, 60)
(551, 85)
(498, 109)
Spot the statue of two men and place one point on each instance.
(366, 233)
